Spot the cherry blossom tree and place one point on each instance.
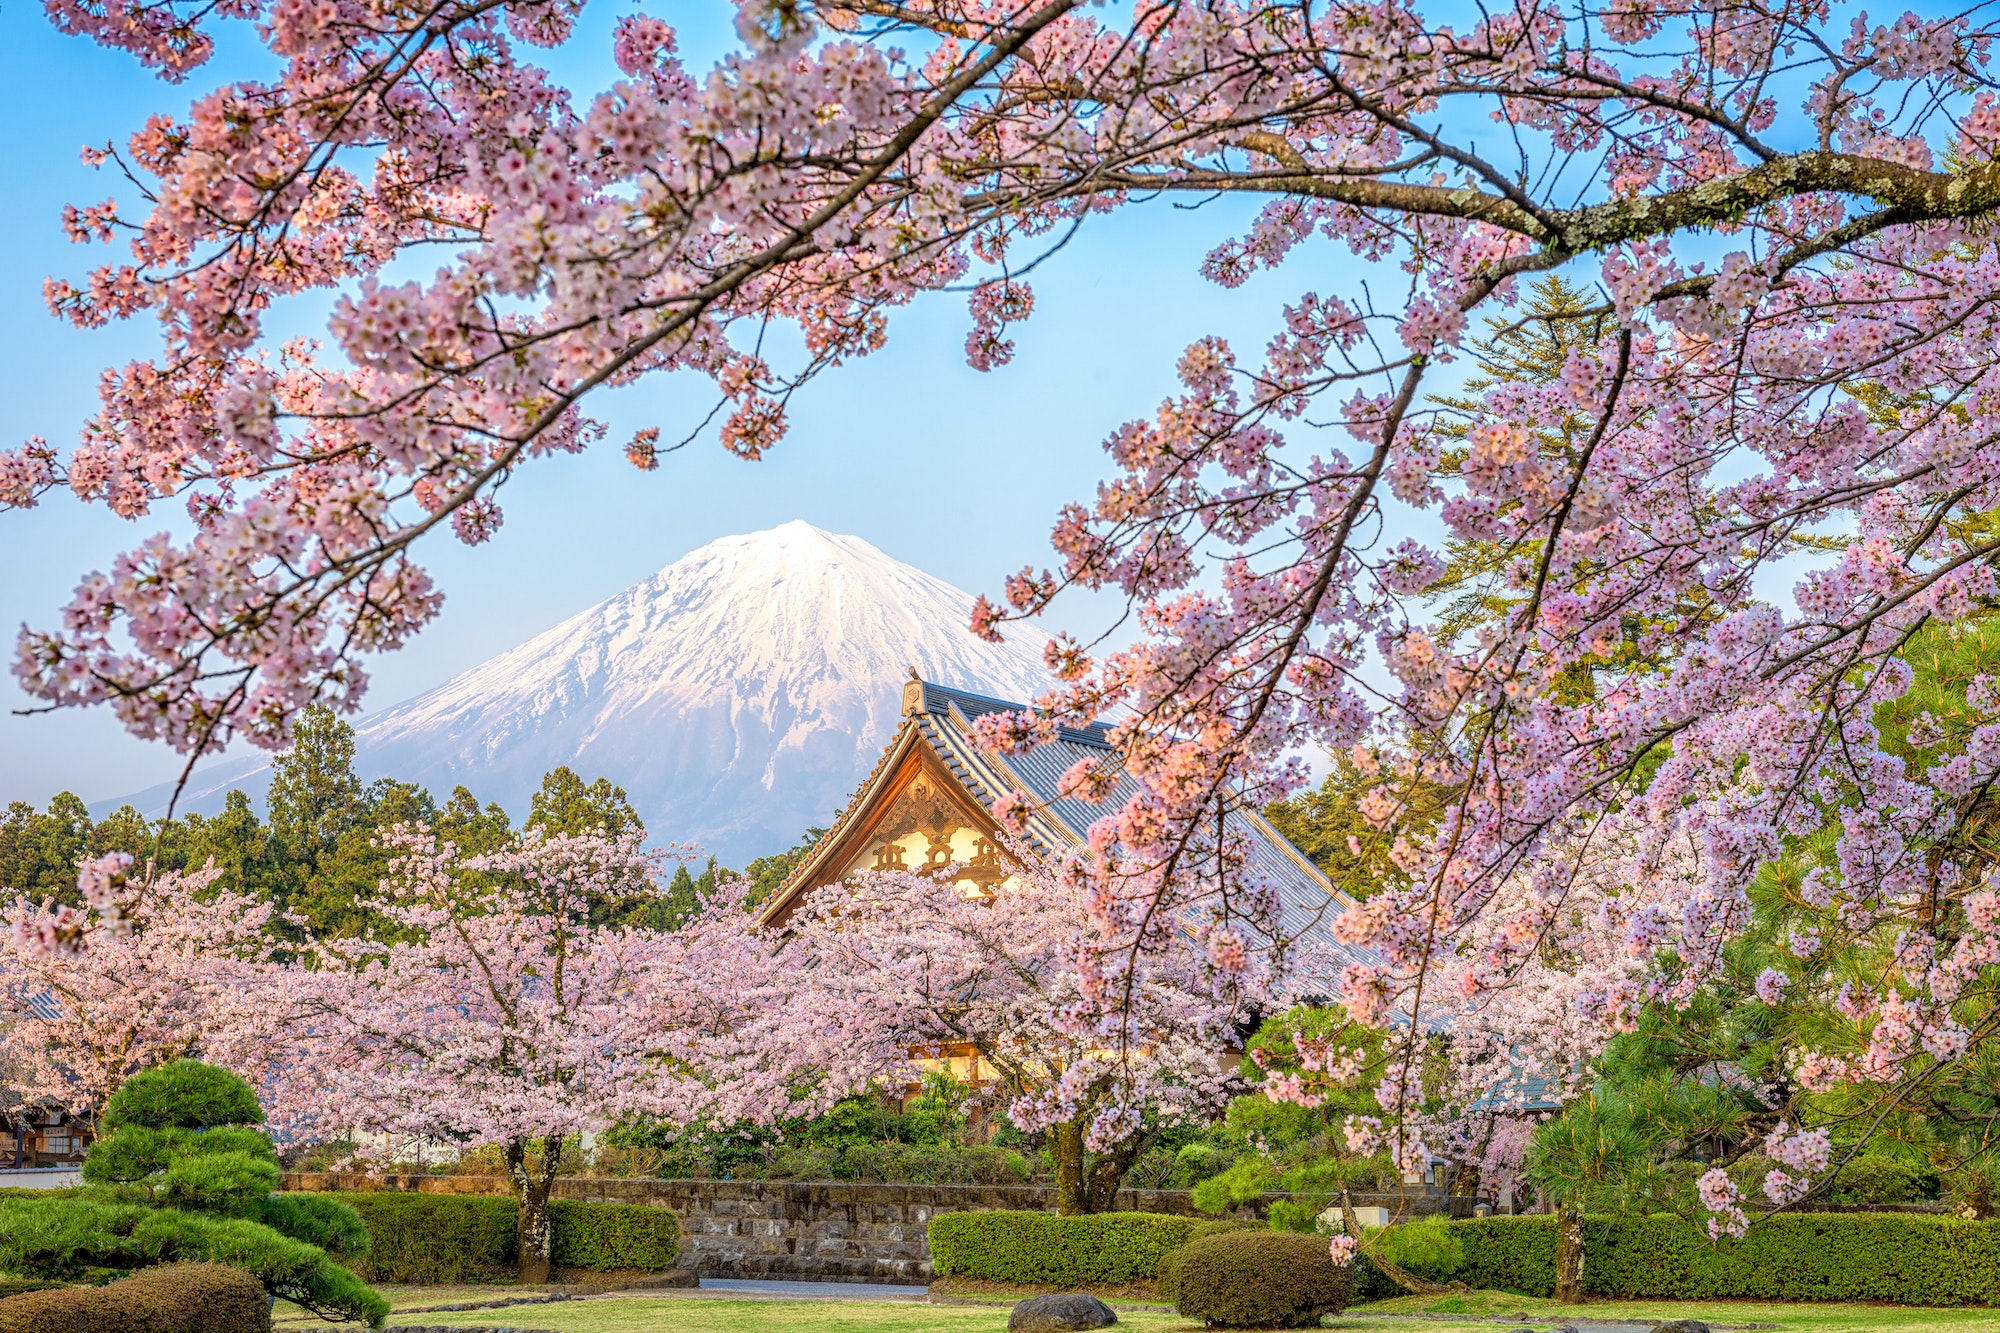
(156, 972)
(906, 967)
(504, 1017)
(1785, 211)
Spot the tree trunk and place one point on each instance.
(1569, 1254)
(531, 1187)
(1066, 1146)
(1107, 1172)
(1403, 1278)
(1975, 1200)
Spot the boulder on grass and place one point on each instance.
(1060, 1314)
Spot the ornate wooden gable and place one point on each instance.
(913, 813)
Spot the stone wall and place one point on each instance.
(822, 1231)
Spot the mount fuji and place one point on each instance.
(739, 695)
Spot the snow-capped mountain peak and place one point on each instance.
(738, 695)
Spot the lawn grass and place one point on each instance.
(1795, 1318)
(652, 1313)
(701, 1314)
(286, 1315)
(688, 1314)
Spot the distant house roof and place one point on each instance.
(42, 1004)
(937, 728)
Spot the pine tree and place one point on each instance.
(566, 805)
(314, 795)
(468, 827)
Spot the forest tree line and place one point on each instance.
(316, 851)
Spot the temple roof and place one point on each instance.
(939, 720)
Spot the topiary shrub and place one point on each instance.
(1094, 1250)
(85, 1240)
(1259, 1279)
(181, 1136)
(606, 1236)
(186, 1094)
(181, 1175)
(1167, 1280)
(318, 1220)
(179, 1298)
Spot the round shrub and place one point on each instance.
(179, 1298)
(186, 1094)
(1259, 1279)
(1167, 1282)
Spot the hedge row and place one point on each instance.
(607, 1236)
(1904, 1258)
(433, 1239)
(180, 1298)
(1907, 1259)
(452, 1238)
(1099, 1249)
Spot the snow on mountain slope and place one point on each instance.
(739, 695)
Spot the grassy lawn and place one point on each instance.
(694, 1314)
(1791, 1318)
(669, 1314)
(287, 1315)
(710, 1314)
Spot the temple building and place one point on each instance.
(927, 806)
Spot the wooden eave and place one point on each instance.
(907, 756)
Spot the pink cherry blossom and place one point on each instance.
(158, 971)
(1777, 204)
(892, 968)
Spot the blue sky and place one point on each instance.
(954, 471)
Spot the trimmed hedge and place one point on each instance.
(444, 1239)
(1097, 1249)
(1905, 1258)
(606, 1236)
(1259, 1279)
(433, 1239)
(178, 1298)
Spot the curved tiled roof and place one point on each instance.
(940, 719)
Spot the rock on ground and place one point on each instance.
(1061, 1314)
(1682, 1326)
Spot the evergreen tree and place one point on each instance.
(337, 898)
(768, 873)
(39, 850)
(472, 830)
(314, 796)
(565, 805)
(252, 861)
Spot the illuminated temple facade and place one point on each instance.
(927, 806)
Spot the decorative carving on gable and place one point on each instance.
(927, 830)
(985, 869)
(921, 808)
